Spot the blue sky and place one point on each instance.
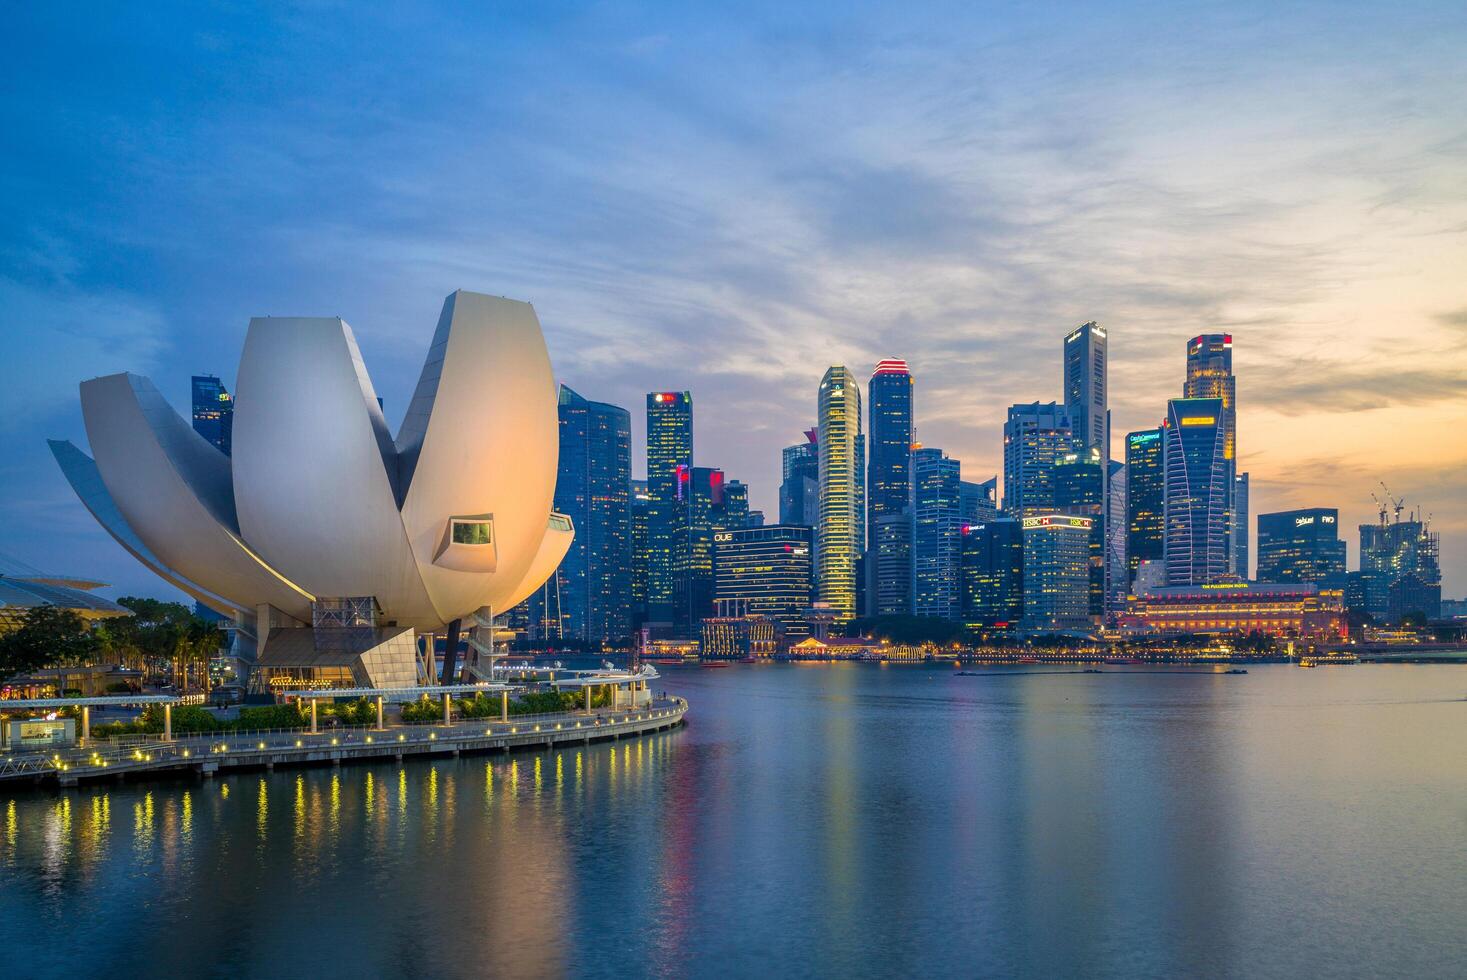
(730, 198)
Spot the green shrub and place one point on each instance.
(422, 711)
(358, 712)
(272, 716)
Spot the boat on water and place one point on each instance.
(1235, 670)
(667, 661)
(714, 664)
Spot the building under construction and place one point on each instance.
(1400, 566)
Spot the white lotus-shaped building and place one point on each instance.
(450, 520)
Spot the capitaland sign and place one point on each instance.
(1139, 438)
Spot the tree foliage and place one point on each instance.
(47, 637)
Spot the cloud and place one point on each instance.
(60, 335)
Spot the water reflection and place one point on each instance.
(839, 820)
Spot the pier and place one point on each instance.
(206, 755)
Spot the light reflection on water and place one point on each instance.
(839, 820)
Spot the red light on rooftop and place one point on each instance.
(890, 365)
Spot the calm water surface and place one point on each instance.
(843, 820)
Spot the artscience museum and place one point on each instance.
(337, 549)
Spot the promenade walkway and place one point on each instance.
(205, 755)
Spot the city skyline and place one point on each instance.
(740, 245)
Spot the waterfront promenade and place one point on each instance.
(207, 754)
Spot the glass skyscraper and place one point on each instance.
(1198, 481)
(213, 412)
(593, 488)
(1035, 437)
(977, 502)
(1080, 489)
(1210, 375)
(669, 466)
(1145, 498)
(641, 501)
(889, 486)
(764, 571)
(936, 535)
(1085, 387)
(840, 535)
(799, 491)
(993, 574)
(1056, 572)
(1302, 546)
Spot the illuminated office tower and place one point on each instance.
(1302, 546)
(736, 504)
(888, 578)
(1198, 479)
(641, 502)
(707, 516)
(799, 491)
(592, 488)
(1080, 489)
(840, 534)
(764, 571)
(1117, 581)
(1238, 527)
(1085, 387)
(1145, 498)
(977, 502)
(669, 462)
(1210, 375)
(890, 592)
(993, 574)
(1056, 572)
(889, 471)
(1035, 437)
(936, 535)
(213, 412)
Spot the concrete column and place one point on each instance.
(167, 722)
(504, 706)
(314, 729)
(86, 722)
(447, 709)
(589, 689)
(380, 723)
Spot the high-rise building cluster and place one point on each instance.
(873, 524)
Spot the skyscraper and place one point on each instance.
(1117, 580)
(1145, 498)
(840, 535)
(889, 480)
(711, 511)
(764, 571)
(978, 502)
(1302, 546)
(1056, 572)
(799, 491)
(888, 488)
(1080, 489)
(213, 412)
(1210, 375)
(1085, 387)
(736, 504)
(890, 594)
(993, 574)
(1198, 479)
(669, 462)
(1238, 529)
(1400, 568)
(936, 535)
(1035, 437)
(593, 488)
(641, 502)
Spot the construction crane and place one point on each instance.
(1379, 504)
(1396, 502)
